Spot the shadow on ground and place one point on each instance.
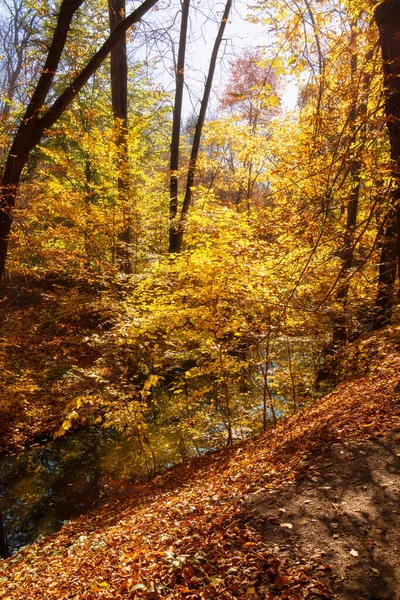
(341, 518)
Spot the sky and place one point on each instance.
(239, 33)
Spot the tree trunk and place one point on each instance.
(177, 228)
(119, 66)
(28, 134)
(387, 17)
(327, 371)
(388, 265)
(11, 85)
(32, 127)
(119, 99)
(176, 121)
(359, 110)
(4, 553)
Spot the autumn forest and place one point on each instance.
(199, 238)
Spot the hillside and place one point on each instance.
(307, 510)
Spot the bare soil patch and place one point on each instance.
(307, 511)
(345, 511)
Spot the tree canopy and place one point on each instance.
(185, 255)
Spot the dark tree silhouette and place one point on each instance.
(34, 124)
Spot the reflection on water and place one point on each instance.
(50, 484)
(47, 485)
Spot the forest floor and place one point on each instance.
(309, 509)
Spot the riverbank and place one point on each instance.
(227, 525)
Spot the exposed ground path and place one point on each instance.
(308, 510)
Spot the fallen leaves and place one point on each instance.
(187, 535)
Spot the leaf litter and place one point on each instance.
(210, 527)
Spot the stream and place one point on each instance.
(49, 484)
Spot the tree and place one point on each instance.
(387, 17)
(3, 541)
(15, 34)
(177, 224)
(251, 91)
(177, 117)
(359, 80)
(119, 97)
(330, 174)
(239, 139)
(35, 122)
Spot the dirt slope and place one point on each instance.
(308, 510)
(346, 513)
